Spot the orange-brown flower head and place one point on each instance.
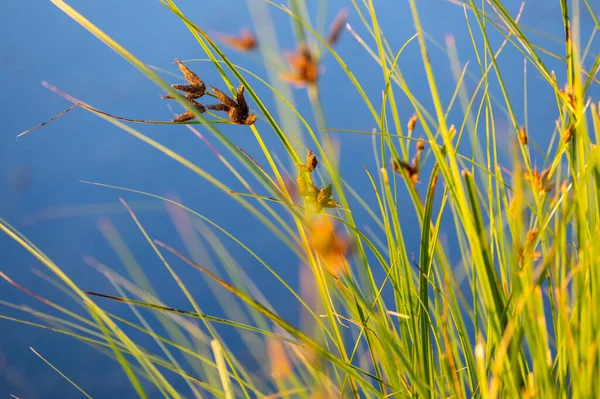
(420, 145)
(310, 164)
(527, 251)
(531, 235)
(523, 136)
(237, 109)
(190, 76)
(246, 41)
(335, 30)
(311, 161)
(304, 67)
(412, 123)
(540, 181)
(568, 97)
(319, 198)
(195, 87)
(569, 133)
(324, 199)
(189, 115)
(411, 170)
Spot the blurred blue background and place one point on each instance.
(40, 189)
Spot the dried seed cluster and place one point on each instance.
(319, 198)
(303, 64)
(570, 100)
(412, 123)
(412, 168)
(527, 251)
(568, 97)
(304, 67)
(335, 30)
(246, 41)
(523, 136)
(540, 181)
(193, 90)
(237, 109)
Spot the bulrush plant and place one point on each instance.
(480, 282)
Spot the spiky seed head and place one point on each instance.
(190, 76)
(412, 122)
(336, 27)
(569, 133)
(186, 116)
(523, 136)
(531, 235)
(311, 161)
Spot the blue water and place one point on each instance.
(40, 189)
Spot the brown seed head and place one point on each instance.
(527, 251)
(184, 117)
(189, 115)
(192, 91)
(237, 109)
(531, 235)
(569, 133)
(411, 170)
(540, 181)
(311, 161)
(245, 42)
(304, 68)
(420, 145)
(324, 193)
(523, 136)
(412, 122)
(195, 87)
(324, 200)
(190, 76)
(336, 27)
